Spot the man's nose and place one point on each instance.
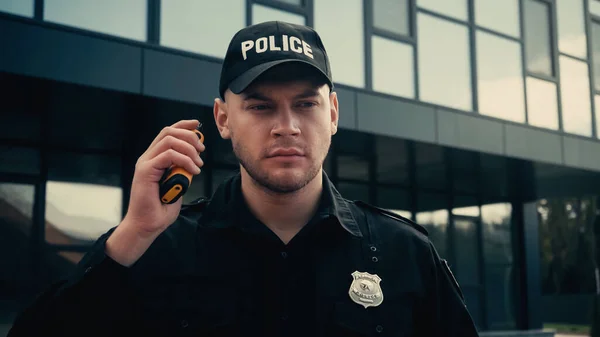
(286, 123)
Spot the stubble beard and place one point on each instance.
(263, 179)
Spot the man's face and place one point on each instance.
(281, 132)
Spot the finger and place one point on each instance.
(179, 145)
(171, 158)
(189, 124)
(184, 134)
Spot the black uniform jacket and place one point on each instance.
(216, 271)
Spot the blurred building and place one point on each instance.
(478, 119)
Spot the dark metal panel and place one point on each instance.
(528, 143)
(581, 153)
(347, 108)
(64, 56)
(180, 77)
(470, 132)
(396, 118)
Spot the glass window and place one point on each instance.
(466, 219)
(85, 168)
(454, 8)
(497, 233)
(16, 214)
(353, 167)
(597, 108)
(594, 7)
(430, 166)
(575, 96)
(444, 80)
(571, 28)
(184, 23)
(353, 191)
(18, 7)
(397, 199)
(392, 160)
(344, 39)
(393, 67)
(78, 213)
(22, 160)
(121, 18)
(538, 45)
(542, 105)
(596, 53)
(494, 176)
(566, 244)
(465, 171)
(262, 13)
(22, 125)
(500, 78)
(433, 215)
(293, 2)
(392, 15)
(501, 16)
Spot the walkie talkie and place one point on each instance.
(176, 180)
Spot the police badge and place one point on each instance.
(365, 289)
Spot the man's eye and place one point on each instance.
(307, 104)
(259, 107)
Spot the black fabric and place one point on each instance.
(218, 271)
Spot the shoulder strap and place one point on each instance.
(393, 215)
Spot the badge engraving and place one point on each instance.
(365, 289)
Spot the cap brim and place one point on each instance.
(242, 82)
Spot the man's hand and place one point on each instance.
(147, 216)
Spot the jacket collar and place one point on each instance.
(224, 205)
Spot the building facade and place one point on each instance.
(478, 119)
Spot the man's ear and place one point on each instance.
(221, 118)
(334, 112)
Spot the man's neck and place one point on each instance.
(284, 214)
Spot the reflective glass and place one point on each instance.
(184, 23)
(353, 167)
(501, 16)
(22, 160)
(115, 17)
(500, 78)
(16, 217)
(465, 234)
(444, 80)
(538, 46)
(78, 213)
(596, 52)
(392, 160)
(497, 233)
(571, 28)
(575, 96)
(597, 109)
(500, 296)
(18, 7)
(292, 2)
(343, 38)
(430, 166)
(262, 13)
(352, 191)
(594, 6)
(542, 105)
(393, 67)
(392, 15)
(433, 215)
(453, 8)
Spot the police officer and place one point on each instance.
(276, 251)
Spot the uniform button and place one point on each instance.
(284, 255)
(373, 249)
(184, 323)
(375, 259)
(88, 269)
(379, 328)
